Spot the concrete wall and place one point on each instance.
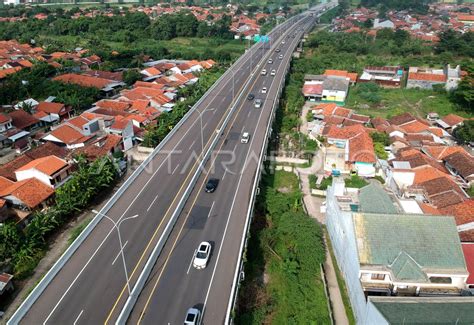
(30, 173)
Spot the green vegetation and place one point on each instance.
(340, 281)
(283, 283)
(123, 40)
(22, 249)
(380, 179)
(380, 140)
(417, 6)
(166, 121)
(355, 182)
(465, 132)
(380, 151)
(35, 82)
(470, 191)
(77, 231)
(312, 181)
(325, 183)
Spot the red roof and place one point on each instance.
(468, 250)
(47, 107)
(30, 191)
(426, 77)
(22, 120)
(113, 104)
(68, 134)
(47, 165)
(361, 148)
(453, 119)
(4, 118)
(84, 80)
(462, 212)
(311, 89)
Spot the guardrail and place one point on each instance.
(254, 193)
(139, 285)
(49, 276)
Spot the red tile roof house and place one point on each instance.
(104, 146)
(55, 111)
(24, 121)
(450, 122)
(26, 196)
(108, 87)
(50, 170)
(461, 165)
(67, 136)
(124, 128)
(468, 250)
(425, 78)
(349, 149)
(463, 214)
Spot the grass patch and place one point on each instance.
(340, 281)
(283, 282)
(312, 181)
(470, 191)
(355, 182)
(325, 183)
(380, 179)
(77, 231)
(397, 101)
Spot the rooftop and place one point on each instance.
(425, 310)
(430, 242)
(373, 199)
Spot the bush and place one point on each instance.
(355, 182)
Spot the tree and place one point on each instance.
(464, 93)
(380, 137)
(380, 151)
(465, 132)
(131, 76)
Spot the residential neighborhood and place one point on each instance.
(238, 163)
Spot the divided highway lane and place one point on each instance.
(87, 287)
(219, 218)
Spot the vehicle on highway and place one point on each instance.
(202, 255)
(277, 50)
(193, 317)
(280, 56)
(282, 42)
(250, 96)
(270, 61)
(211, 185)
(245, 137)
(264, 90)
(273, 72)
(258, 103)
(264, 72)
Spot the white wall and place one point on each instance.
(30, 173)
(341, 232)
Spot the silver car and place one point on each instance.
(202, 255)
(193, 317)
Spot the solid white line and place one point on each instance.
(175, 169)
(79, 316)
(248, 115)
(191, 262)
(118, 254)
(212, 205)
(228, 216)
(149, 207)
(192, 144)
(204, 126)
(242, 131)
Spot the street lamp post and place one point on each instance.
(117, 226)
(200, 118)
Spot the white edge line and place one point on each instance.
(174, 170)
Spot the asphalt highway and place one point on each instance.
(219, 217)
(92, 288)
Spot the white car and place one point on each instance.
(270, 61)
(202, 255)
(264, 72)
(245, 137)
(193, 317)
(264, 90)
(280, 56)
(258, 103)
(273, 72)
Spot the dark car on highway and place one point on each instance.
(211, 185)
(250, 96)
